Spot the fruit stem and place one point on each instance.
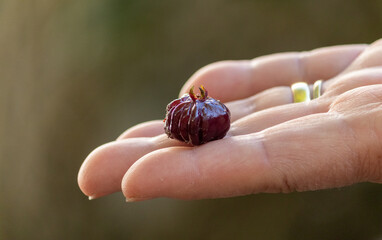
(203, 92)
(192, 94)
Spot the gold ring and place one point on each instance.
(317, 89)
(301, 92)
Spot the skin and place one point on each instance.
(273, 145)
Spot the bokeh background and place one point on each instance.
(75, 74)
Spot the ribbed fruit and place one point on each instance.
(197, 119)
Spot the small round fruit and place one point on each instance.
(197, 119)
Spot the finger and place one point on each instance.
(351, 80)
(233, 80)
(266, 99)
(371, 57)
(269, 117)
(102, 171)
(147, 129)
(313, 152)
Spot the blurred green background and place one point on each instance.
(75, 74)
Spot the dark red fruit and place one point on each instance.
(197, 119)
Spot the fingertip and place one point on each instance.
(102, 171)
(97, 177)
(85, 179)
(129, 200)
(219, 77)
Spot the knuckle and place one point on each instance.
(375, 159)
(302, 63)
(359, 100)
(287, 185)
(286, 182)
(354, 79)
(370, 166)
(362, 112)
(376, 170)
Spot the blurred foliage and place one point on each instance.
(75, 74)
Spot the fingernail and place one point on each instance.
(136, 199)
(131, 200)
(91, 197)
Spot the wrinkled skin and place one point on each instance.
(273, 145)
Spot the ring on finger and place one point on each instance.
(317, 89)
(301, 92)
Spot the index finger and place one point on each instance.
(308, 153)
(233, 80)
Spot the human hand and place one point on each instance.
(272, 146)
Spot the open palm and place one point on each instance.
(274, 145)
